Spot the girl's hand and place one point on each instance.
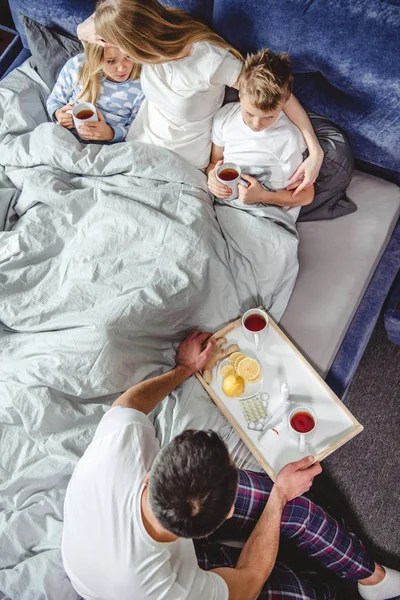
(216, 187)
(63, 117)
(87, 32)
(252, 193)
(307, 172)
(96, 130)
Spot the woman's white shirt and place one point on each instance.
(182, 97)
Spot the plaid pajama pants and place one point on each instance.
(319, 535)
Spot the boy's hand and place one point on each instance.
(251, 194)
(96, 130)
(63, 117)
(216, 187)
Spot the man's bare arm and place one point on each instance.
(258, 556)
(145, 396)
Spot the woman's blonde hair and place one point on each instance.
(151, 33)
(266, 79)
(89, 74)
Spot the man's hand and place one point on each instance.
(63, 117)
(216, 187)
(96, 130)
(252, 193)
(296, 478)
(307, 173)
(190, 353)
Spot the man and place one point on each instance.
(132, 512)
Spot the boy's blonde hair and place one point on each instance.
(266, 79)
(89, 74)
(151, 33)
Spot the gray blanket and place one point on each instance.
(109, 256)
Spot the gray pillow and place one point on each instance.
(50, 49)
(330, 198)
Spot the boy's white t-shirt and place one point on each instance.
(107, 552)
(271, 155)
(182, 96)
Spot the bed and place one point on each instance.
(108, 257)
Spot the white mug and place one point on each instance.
(88, 106)
(298, 434)
(251, 332)
(231, 183)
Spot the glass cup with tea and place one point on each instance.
(230, 174)
(255, 326)
(302, 421)
(82, 112)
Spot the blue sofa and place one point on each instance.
(345, 59)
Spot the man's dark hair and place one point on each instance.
(193, 484)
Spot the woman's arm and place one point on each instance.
(86, 32)
(255, 193)
(309, 169)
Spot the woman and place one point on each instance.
(185, 68)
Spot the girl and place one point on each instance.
(185, 68)
(104, 76)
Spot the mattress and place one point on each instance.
(337, 260)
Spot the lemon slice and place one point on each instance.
(248, 368)
(237, 361)
(234, 356)
(227, 370)
(256, 378)
(233, 386)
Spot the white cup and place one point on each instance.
(249, 328)
(82, 106)
(298, 434)
(231, 183)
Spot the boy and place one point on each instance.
(256, 135)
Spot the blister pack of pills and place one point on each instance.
(255, 410)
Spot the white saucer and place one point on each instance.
(250, 389)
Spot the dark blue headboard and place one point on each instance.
(67, 14)
(345, 55)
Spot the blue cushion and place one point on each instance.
(67, 15)
(347, 54)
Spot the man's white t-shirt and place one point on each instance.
(107, 552)
(182, 96)
(271, 155)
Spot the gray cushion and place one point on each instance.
(337, 260)
(330, 199)
(50, 49)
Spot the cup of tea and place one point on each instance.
(302, 421)
(255, 326)
(230, 174)
(83, 112)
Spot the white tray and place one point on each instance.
(283, 363)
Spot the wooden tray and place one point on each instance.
(283, 363)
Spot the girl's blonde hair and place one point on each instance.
(89, 74)
(151, 33)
